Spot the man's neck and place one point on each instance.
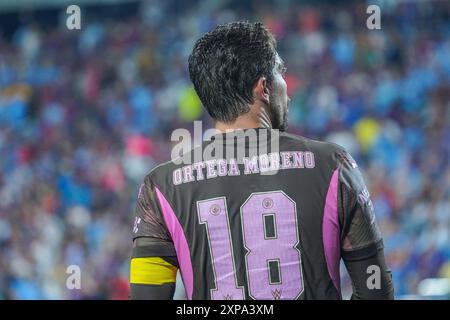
(255, 118)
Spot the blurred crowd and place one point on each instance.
(85, 114)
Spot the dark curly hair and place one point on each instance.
(226, 63)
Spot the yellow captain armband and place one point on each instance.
(152, 270)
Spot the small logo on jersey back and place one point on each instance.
(215, 210)
(276, 294)
(267, 203)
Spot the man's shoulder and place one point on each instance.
(159, 173)
(163, 172)
(320, 147)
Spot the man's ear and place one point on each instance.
(261, 90)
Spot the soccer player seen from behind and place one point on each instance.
(261, 214)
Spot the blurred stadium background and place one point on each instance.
(85, 114)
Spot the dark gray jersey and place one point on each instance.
(269, 219)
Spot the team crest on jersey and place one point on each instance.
(214, 210)
(267, 203)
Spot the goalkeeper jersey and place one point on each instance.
(269, 218)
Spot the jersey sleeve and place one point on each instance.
(154, 264)
(361, 240)
(150, 235)
(360, 235)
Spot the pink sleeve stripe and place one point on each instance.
(180, 242)
(331, 232)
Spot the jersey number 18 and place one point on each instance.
(270, 237)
